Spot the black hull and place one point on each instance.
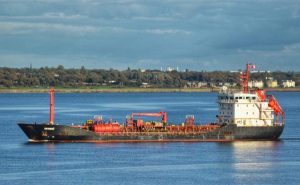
(62, 133)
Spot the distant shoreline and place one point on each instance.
(126, 90)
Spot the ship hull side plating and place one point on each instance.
(63, 133)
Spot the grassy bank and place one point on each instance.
(125, 90)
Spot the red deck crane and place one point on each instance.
(152, 114)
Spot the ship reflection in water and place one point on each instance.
(254, 160)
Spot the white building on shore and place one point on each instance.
(272, 83)
(288, 83)
(256, 84)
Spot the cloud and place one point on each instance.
(15, 27)
(45, 16)
(61, 15)
(20, 27)
(158, 18)
(167, 31)
(193, 33)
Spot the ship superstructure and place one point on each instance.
(248, 107)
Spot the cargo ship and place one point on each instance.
(243, 115)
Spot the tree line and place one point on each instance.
(60, 76)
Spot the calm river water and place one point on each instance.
(264, 162)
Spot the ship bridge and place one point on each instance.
(237, 97)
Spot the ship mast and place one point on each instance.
(244, 77)
(51, 92)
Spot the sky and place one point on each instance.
(151, 34)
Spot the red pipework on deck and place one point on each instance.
(51, 92)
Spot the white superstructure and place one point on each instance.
(244, 109)
(248, 108)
